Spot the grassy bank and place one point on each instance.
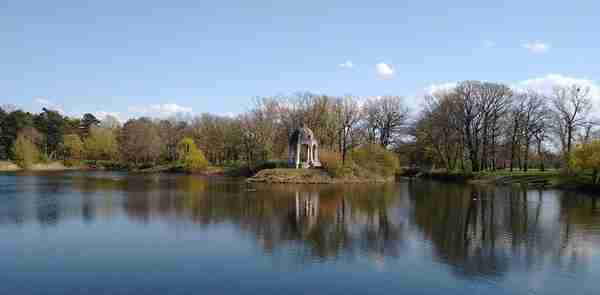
(532, 178)
(308, 176)
(6, 166)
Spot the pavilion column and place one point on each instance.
(298, 150)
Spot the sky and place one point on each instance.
(157, 58)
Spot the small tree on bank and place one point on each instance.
(587, 157)
(190, 157)
(25, 152)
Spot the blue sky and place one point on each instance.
(159, 57)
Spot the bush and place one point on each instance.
(25, 152)
(190, 157)
(72, 149)
(195, 162)
(332, 163)
(375, 159)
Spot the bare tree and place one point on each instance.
(348, 116)
(534, 116)
(386, 116)
(572, 105)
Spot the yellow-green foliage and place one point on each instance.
(587, 157)
(101, 144)
(375, 159)
(72, 149)
(25, 152)
(331, 161)
(190, 157)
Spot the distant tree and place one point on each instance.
(101, 144)
(386, 116)
(87, 121)
(72, 149)
(571, 106)
(25, 152)
(3, 149)
(139, 142)
(13, 122)
(51, 125)
(347, 115)
(587, 157)
(190, 157)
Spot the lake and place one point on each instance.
(118, 233)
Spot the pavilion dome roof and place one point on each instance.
(302, 135)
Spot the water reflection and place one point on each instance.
(476, 231)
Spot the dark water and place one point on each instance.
(109, 233)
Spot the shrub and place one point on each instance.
(332, 163)
(25, 152)
(375, 159)
(587, 157)
(195, 162)
(101, 144)
(72, 149)
(190, 157)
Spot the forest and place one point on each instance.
(472, 127)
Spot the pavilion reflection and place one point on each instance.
(474, 230)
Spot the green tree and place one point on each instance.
(587, 157)
(12, 124)
(25, 152)
(101, 144)
(375, 159)
(72, 149)
(139, 142)
(190, 157)
(52, 126)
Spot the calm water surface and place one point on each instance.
(111, 233)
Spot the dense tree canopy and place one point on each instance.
(474, 126)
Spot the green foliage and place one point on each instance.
(101, 144)
(139, 143)
(11, 125)
(190, 157)
(51, 125)
(586, 157)
(195, 162)
(375, 159)
(332, 162)
(25, 152)
(72, 149)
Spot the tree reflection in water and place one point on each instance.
(475, 230)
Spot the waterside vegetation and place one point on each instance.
(473, 130)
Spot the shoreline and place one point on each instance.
(308, 176)
(550, 179)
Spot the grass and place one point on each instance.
(313, 176)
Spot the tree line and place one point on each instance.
(253, 137)
(474, 126)
(479, 126)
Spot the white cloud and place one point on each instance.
(346, 65)
(101, 115)
(384, 71)
(160, 110)
(536, 47)
(547, 83)
(43, 101)
(489, 44)
(48, 104)
(436, 88)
